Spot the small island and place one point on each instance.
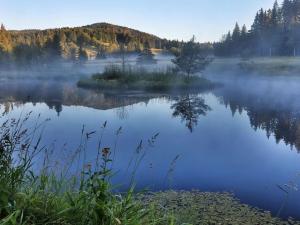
(113, 78)
(183, 77)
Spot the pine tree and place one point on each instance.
(236, 34)
(287, 12)
(191, 59)
(5, 40)
(82, 55)
(5, 45)
(296, 7)
(243, 39)
(256, 25)
(146, 56)
(275, 31)
(100, 53)
(56, 45)
(123, 41)
(244, 32)
(275, 17)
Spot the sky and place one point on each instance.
(208, 20)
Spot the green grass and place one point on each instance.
(48, 197)
(271, 66)
(113, 78)
(31, 198)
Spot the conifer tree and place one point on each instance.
(236, 34)
(100, 53)
(123, 41)
(276, 17)
(146, 56)
(191, 58)
(82, 55)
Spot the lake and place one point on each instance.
(243, 137)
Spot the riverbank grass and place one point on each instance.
(114, 78)
(48, 196)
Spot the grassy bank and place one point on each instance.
(114, 78)
(28, 197)
(270, 66)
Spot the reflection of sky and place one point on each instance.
(223, 154)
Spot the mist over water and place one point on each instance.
(242, 137)
(67, 70)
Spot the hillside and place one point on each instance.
(40, 46)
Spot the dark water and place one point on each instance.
(243, 137)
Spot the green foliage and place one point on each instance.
(191, 58)
(114, 78)
(5, 45)
(36, 199)
(146, 56)
(274, 32)
(83, 56)
(45, 45)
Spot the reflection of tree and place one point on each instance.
(122, 113)
(278, 118)
(58, 94)
(282, 125)
(190, 108)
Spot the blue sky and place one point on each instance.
(173, 19)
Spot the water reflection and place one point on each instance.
(15, 93)
(278, 116)
(189, 108)
(223, 152)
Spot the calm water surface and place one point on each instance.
(238, 138)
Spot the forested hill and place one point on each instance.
(101, 35)
(275, 31)
(70, 43)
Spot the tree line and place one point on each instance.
(274, 32)
(76, 44)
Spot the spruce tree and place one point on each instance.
(287, 12)
(146, 56)
(191, 58)
(100, 53)
(82, 55)
(123, 41)
(275, 17)
(236, 34)
(5, 40)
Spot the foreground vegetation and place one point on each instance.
(209, 208)
(139, 79)
(58, 198)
